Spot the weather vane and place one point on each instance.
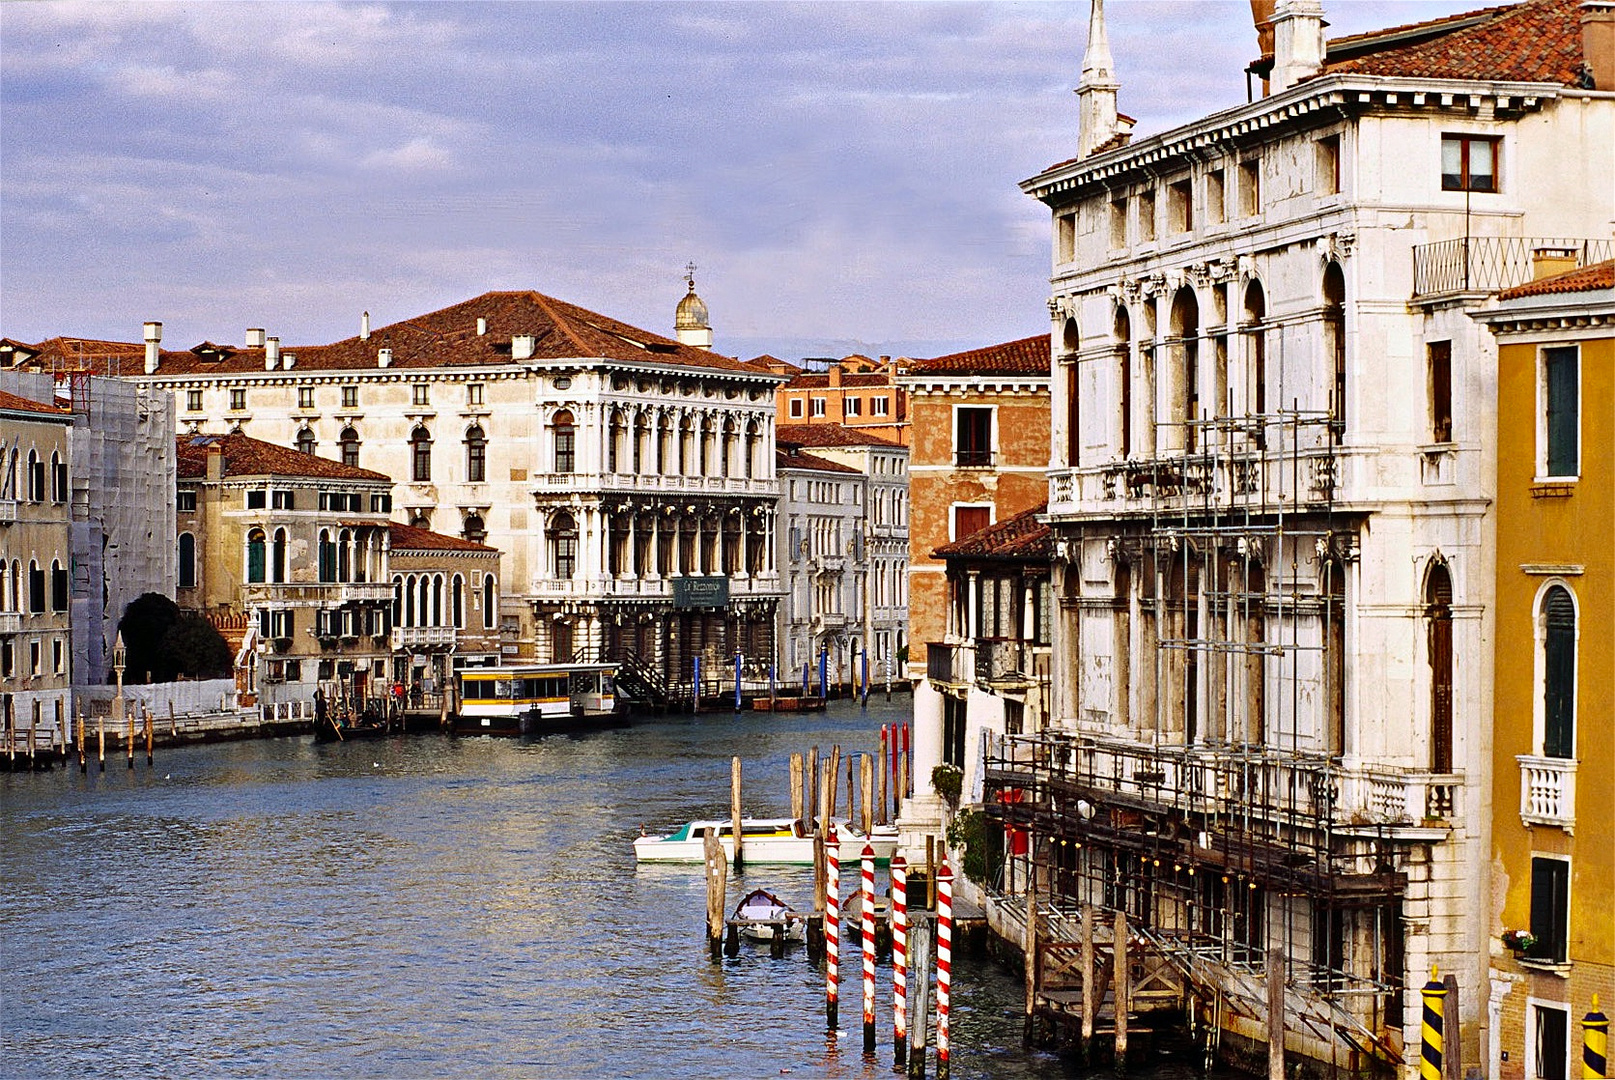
(689, 275)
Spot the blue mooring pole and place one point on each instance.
(865, 698)
(695, 689)
(824, 674)
(737, 680)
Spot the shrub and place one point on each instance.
(948, 780)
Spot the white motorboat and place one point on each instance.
(775, 841)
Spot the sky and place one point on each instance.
(844, 176)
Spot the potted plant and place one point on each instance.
(948, 781)
(1518, 940)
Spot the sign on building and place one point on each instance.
(700, 592)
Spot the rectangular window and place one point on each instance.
(1065, 237)
(193, 400)
(185, 502)
(818, 406)
(853, 406)
(1468, 163)
(1250, 188)
(796, 408)
(238, 400)
(969, 520)
(1440, 391)
(1118, 223)
(58, 656)
(1181, 198)
(473, 393)
(1216, 211)
(305, 397)
(878, 406)
(257, 500)
(283, 500)
(1561, 410)
(350, 397)
(381, 504)
(973, 437)
(1146, 216)
(422, 394)
(1550, 1049)
(1329, 165)
(1550, 910)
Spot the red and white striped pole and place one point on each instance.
(899, 960)
(944, 964)
(832, 927)
(866, 899)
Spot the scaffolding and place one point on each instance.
(1215, 811)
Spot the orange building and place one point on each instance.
(979, 454)
(855, 392)
(1553, 843)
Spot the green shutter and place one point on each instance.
(1559, 676)
(1563, 410)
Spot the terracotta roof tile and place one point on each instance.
(13, 403)
(814, 380)
(1592, 278)
(246, 456)
(1018, 537)
(827, 435)
(1028, 356)
(410, 538)
(445, 338)
(795, 459)
(1534, 41)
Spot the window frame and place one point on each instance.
(1464, 179)
(1550, 738)
(238, 399)
(193, 401)
(974, 457)
(1551, 927)
(305, 397)
(816, 406)
(1534, 1008)
(350, 396)
(1546, 460)
(954, 532)
(795, 408)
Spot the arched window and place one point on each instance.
(1334, 344)
(9, 487)
(305, 441)
(36, 477)
(476, 455)
(754, 439)
(423, 601)
(664, 445)
(344, 555)
(1122, 332)
(1184, 387)
(457, 601)
(327, 557)
(58, 586)
(726, 447)
(398, 600)
(1334, 645)
(489, 612)
(187, 561)
(476, 530)
(348, 442)
(564, 437)
(614, 436)
(255, 556)
(1256, 354)
(563, 545)
(420, 446)
(1438, 619)
(58, 478)
(1070, 343)
(686, 441)
(36, 587)
(277, 557)
(421, 519)
(437, 600)
(1558, 673)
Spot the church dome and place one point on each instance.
(691, 314)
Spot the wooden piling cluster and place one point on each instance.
(30, 749)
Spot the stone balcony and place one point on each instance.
(423, 637)
(640, 483)
(1548, 791)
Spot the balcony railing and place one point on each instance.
(1233, 475)
(8, 511)
(10, 622)
(1547, 791)
(1003, 660)
(423, 637)
(949, 665)
(1490, 263)
(973, 459)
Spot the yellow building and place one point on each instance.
(1553, 943)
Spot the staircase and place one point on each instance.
(640, 684)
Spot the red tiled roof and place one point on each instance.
(1028, 356)
(795, 459)
(410, 538)
(1018, 537)
(246, 456)
(1583, 279)
(445, 338)
(828, 435)
(817, 380)
(1534, 41)
(13, 403)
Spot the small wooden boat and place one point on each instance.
(773, 841)
(762, 915)
(331, 730)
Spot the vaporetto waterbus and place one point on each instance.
(530, 699)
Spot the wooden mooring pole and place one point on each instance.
(1275, 1009)
(899, 874)
(1029, 949)
(734, 807)
(101, 741)
(1121, 992)
(84, 761)
(880, 779)
(717, 891)
(129, 735)
(1090, 987)
(796, 787)
(866, 791)
(147, 715)
(920, 997)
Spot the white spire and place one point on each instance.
(1098, 67)
(1096, 91)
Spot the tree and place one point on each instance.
(164, 643)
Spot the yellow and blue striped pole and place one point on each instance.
(1594, 1044)
(1435, 999)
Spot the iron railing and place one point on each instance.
(1490, 263)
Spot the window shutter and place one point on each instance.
(1562, 411)
(1559, 676)
(1550, 879)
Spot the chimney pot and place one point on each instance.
(1298, 46)
(255, 337)
(154, 337)
(482, 326)
(384, 358)
(271, 353)
(288, 360)
(522, 346)
(364, 327)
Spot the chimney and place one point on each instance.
(384, 358)
(271, 353)
(255, 337)
(1262, 16)
(522, 346)
(835, 374)
(215, 461)
(482, 326)
(288, 360)
(1550, 261)
(154, 337)
(1096, 90)
(1598, 44)
(364, 327)
(1298, 47)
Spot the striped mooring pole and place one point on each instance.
(832, 927)
(1594, 1044)
(944, 964)
(899, 960)
(1435, 999)
(866, 920)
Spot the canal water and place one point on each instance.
(428, 907)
